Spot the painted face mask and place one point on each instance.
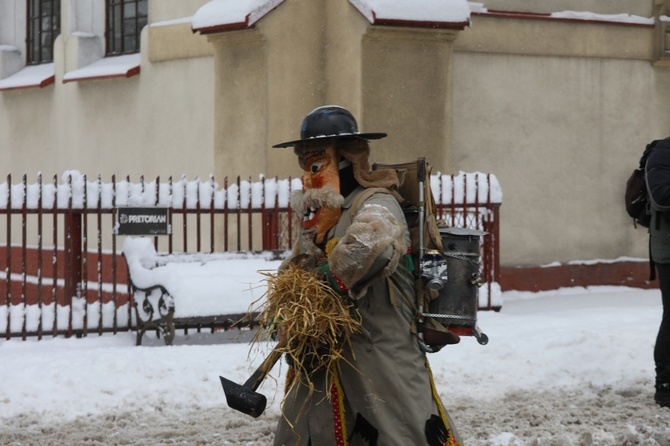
(320, 201)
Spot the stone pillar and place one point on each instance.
(240, 104)
(407, 93)
(304, 54)
(661, 34)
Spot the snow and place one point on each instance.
(623, 18)
(468, 187)
(232, 12)
(84, 190)
(31, 76)
(44, 74)
(457, 11)
(615, 260)
(228, 12)
(619, 18)
(567, 367)
(477, 7)
(201, 284)
(179, 21)
(116, 66)
(570, 366)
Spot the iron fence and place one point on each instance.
(61, 267)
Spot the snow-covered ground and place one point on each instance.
(568, 367)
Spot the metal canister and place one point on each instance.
(458, 301)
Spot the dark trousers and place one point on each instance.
(662, 348)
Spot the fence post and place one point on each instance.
(8, 264)
(496, 243)
(73, 260)
(270, 229)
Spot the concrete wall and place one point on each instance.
(561, 135)
(561, 126)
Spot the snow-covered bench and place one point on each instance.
(193, 290)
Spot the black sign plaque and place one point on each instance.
(142, 221)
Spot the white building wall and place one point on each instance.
(12, 36)
(158, 122)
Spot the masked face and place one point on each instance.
(321, 200)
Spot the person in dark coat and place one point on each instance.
(658, 184)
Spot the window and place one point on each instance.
(125, 20)
(43, 28)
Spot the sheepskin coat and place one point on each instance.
(383, 394)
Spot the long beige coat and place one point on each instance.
(384, 390)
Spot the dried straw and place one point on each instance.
(312, 319)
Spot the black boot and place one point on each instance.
(662, 395)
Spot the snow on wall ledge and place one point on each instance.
(219, 15)
(76, 191)
(447, 11)
(231, 12)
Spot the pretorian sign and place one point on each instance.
(142, 221)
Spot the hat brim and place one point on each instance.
(365, 136)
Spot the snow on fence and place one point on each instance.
(61, 268)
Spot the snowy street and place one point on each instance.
(569, 367)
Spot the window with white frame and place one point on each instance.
(125, 20)
(43, 26)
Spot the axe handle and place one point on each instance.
(262, 371)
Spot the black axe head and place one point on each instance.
(243, 399)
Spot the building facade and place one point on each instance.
(556, 98)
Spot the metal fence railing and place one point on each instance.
(61, 267)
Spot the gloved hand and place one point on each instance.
(306, 262)
(323, 269)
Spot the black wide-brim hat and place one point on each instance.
(329, 121)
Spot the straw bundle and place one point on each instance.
(311, 319)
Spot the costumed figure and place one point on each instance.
(375, 387)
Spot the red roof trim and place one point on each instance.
(130, 73)
(421, 24)
(223, 28)
(260, 13)
(418, 23)
(500, 13)
(541, 16)
(46, 82)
